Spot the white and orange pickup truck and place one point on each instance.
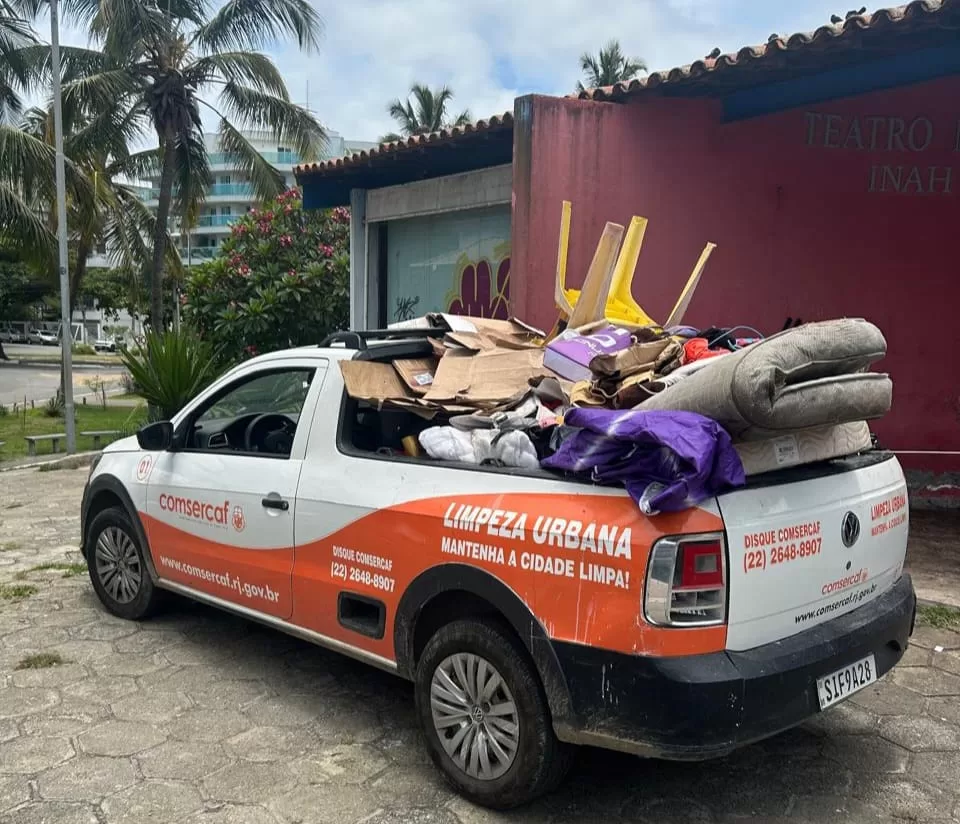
(531, 612)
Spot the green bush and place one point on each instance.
(170, 370)
(55, 407)
(83, 349)
(281, 279)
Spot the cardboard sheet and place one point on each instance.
(380, 384)
(486, 378)
(417, 373)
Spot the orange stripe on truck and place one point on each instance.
(577, 561)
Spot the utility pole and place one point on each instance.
(66, 330)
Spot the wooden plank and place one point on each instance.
(593, 297)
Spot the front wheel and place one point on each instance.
(485, 716)
(118, 566)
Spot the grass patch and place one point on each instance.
(16, 592)
(42, 660)
(9, 545)
(938, 616)
(14, 427)
(69, 570)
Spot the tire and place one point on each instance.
(112, 541)
(537, 763)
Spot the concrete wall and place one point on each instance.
(840, 208)
(470, 190)
(371, 209)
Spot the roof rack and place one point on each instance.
(358, 340)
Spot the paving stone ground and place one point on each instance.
(198, 716)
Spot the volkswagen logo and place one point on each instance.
(850, 529)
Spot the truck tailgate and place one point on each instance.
(804, 551)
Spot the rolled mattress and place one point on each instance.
(811, 376)
(804, 446)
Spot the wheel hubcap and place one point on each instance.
(118, 565)
(474, 715)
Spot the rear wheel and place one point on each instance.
(118, 567)
(485, 716)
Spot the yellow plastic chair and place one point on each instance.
(564, 298)
(679, 310)
(621, 307)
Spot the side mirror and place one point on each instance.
(156, 437)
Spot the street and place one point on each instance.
(39, 382)
(200, 716)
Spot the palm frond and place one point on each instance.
(289, 123)
(137, 166)
(129, 28)
(251, 24)
(74, 62)
(403, 113)
(106, 136)
(266, 180)
(27, 162)
(102, 91)
(192, 174)
(462, 119)
(251, 69)
(23, 228)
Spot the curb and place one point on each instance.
(47, 364)
(55, 462)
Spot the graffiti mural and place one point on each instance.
(482, 289)
(455, 262)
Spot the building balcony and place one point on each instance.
(274, 158)
(240, 190)
(198, 254)
(208, 221)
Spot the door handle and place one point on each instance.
(275, 503)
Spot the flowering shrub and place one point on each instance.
(281, 279)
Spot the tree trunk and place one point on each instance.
(168, 168)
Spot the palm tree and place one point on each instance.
(610, 66)
(154, 61)
(15, 34)
(425, 114)
(100, 208)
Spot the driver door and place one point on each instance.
(220, 508)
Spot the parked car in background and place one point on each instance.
(43, 337)
(105, 345)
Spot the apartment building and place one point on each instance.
(231, 194)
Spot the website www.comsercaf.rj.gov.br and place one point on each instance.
(224, 579)
(833, 606)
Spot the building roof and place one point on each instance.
(858, 37)
(449, 151)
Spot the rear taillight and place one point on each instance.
(686, 581)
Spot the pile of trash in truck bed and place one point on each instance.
(675, 414)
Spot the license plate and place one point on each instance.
(845, 682)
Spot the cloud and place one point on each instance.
(492, 51)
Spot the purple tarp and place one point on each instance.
(667, 460)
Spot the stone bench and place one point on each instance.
(100, 433)
(32, 442)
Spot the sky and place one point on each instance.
(492, 51)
